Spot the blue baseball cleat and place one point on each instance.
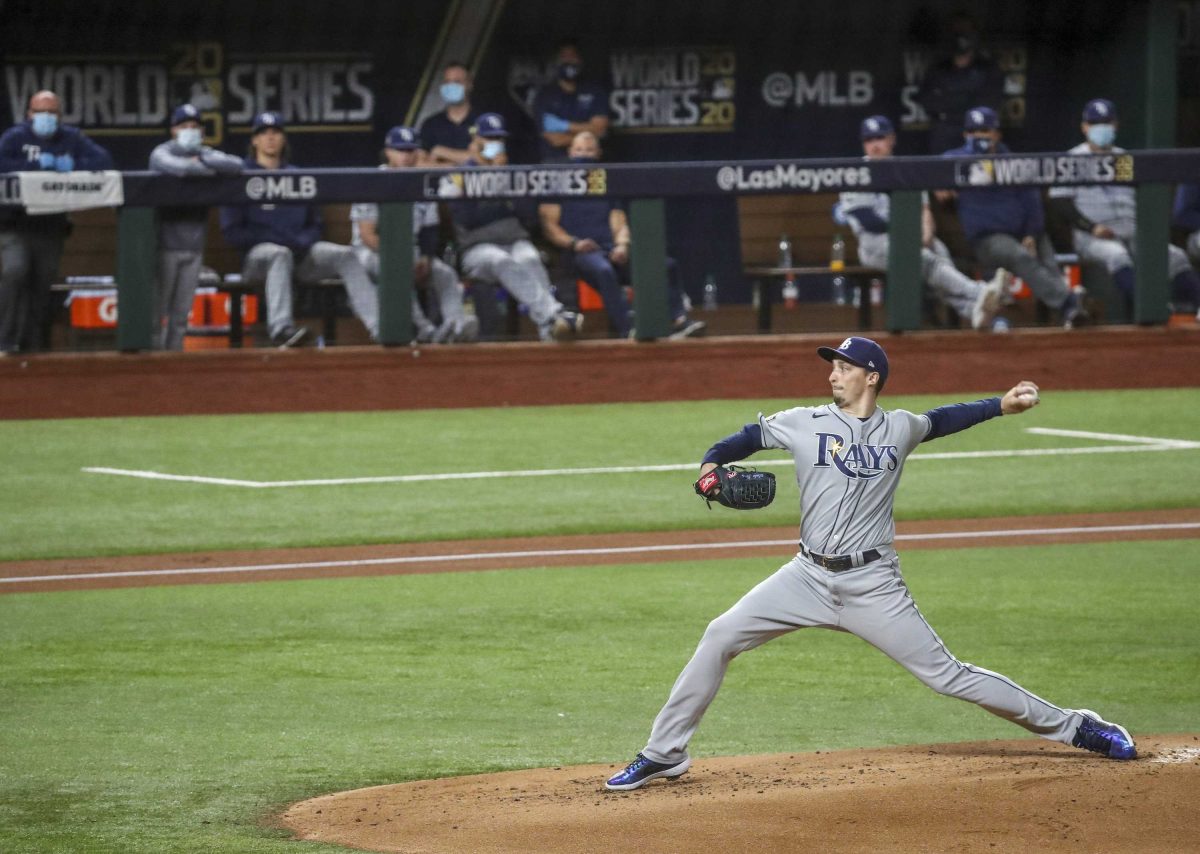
(641, 771)
(1099, 736)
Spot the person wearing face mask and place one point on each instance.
(1006, 225)
(400, 151)
(594, 234)
(182, 230)
(445, 136)
(494, 246)
(31, 246)
(568, 105)
(868, 215)
(1104, 218)
(965, 76)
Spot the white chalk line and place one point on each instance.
(1133, 444)
(611, 550)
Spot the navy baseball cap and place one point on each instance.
(490, 125)
(1100, 111)
(981, 118)
(402, 138)
(859, 351)
(267, 120)
(186, 113)
(873, 127)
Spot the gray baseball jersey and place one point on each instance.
(1115, 207)
(847, 470)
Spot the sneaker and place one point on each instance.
(465, 329)
(289, 337)
(1100, 736)
(1073, 312)
(426, 332)
(641, 771)
(685, 328)
(988, 301)
(566, 325)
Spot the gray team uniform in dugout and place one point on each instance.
(847, 470)
(1115, 207)
(937, 268)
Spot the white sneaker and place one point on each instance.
(566, 325)
(465, 329)
(988, 301)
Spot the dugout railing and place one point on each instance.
(645, 185)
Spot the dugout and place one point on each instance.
(687, 81)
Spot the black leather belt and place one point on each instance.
(839, 563)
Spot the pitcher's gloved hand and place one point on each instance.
(736, 487)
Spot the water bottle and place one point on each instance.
(710, 292)
(839, 290)
(837, 253)
(790, 293)
(876, 291)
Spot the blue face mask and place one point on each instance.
(980, 144)
(493, 148)
(453, 93)
(189, 139)
(569, 70)
(45, 124)
(583, 159)
(1101, 136)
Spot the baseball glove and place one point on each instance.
(736, 487)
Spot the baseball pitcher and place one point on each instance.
(849, 456)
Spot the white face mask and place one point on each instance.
(493, 148)
(189, 139)
(1101, 136)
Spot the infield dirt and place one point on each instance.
(1027, 795)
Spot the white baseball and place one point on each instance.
(1028, 396)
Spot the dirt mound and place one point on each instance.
(987, 796)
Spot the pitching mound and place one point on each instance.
(987, 796)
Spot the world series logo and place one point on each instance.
(1065, 169)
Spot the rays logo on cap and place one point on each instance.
(977, 117)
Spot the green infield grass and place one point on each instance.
(51, 507)
(182, 718)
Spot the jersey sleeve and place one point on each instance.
(781, 429)
(913, 429)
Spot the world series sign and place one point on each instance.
(1063, 170)
(673, 90)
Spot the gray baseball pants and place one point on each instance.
(871, 602)
(1116, 255)
(442, 279)
(1040, 273)
(937, 271)
(275, 264)
(178, 275)
(518, 267)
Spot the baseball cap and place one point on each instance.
(1100, 111)
(873, 127)
(981, 118)
(402, 138)
(490, 125)
(185, 113)
(859, 351)
(267, 120)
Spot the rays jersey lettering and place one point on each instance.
(856, 460)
